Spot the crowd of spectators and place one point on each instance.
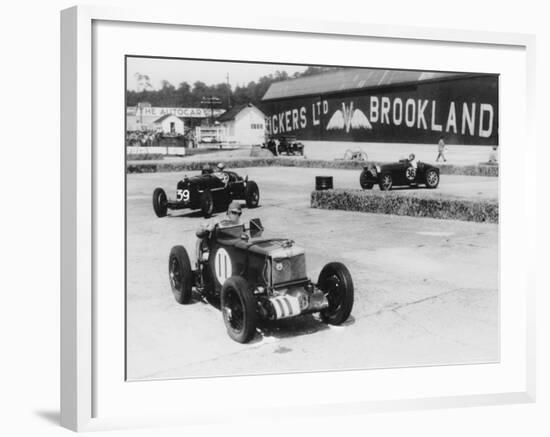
(143, 138)
(152, 138)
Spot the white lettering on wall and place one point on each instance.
(385, 118)
(373, 109)
(485, 132)
(468, 118)
(421, 119)
(435, 126)
(451, 119)
(303, 119)
(397, 111)
(410, 113)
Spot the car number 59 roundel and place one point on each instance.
(182, 195)
(222, 265)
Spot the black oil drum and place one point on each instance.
(323, 183)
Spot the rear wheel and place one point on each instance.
(207, 203)
(336, 283)
(252, 194)
(181, 274)
(238, 309)
(432, 179)
(363, 180)
(386, 182)
(160, 202)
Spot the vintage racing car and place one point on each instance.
(355, 155)
(208, 192)
(284, 145)
(398, 174)
(256, 278)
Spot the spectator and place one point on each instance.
(441, 147)
(493, 156)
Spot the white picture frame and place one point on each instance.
(83, 369)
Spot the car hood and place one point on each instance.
(275, 248)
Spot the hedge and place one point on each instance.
(144, 156)
(415, 205)
(467, 170)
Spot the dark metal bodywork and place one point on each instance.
(284, 145)
(402, 173)
(274, 269)
(224, 186)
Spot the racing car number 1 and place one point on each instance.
(182, 195)
(222, 264)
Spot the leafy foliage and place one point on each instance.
(186, 95)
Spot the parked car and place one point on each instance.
(399, 174)
(256, 278)
(208, 192)
(355, 155)
(284, 145)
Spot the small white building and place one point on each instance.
(170, 124)
(243, 125)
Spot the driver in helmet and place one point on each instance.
(413, 161)
(231, 218)
(220, 173)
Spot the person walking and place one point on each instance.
(441, 147)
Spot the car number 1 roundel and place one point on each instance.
(222, 265)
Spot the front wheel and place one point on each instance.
(238, 309)
(364, 180)
(386, 182)
(160, 202)
(432, 179)
(252, 194)
(181, 274)
(207, 203)
(336, 283)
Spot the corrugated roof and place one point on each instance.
(349, 79)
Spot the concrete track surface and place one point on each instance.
(426, 290)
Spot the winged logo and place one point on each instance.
(348, 118)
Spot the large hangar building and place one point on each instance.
(387, 106)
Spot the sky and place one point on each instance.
(176, 71)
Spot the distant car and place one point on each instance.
(401, 173)
(256, 278)
(208, 192)
(284, 145)
(355, 155)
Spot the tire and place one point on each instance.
(252, 194)
(180, 274)
(386, 182)
(363, 180)
(207, 203)
(431, 179)
(238, 309)
(160, 202)
(336, 282)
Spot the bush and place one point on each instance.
(415, 205)
(144, 156)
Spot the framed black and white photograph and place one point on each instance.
(292, 218)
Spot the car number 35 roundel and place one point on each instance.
(222, 265)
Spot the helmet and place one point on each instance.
(411, 156)
(234, 207)
(220, 166)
